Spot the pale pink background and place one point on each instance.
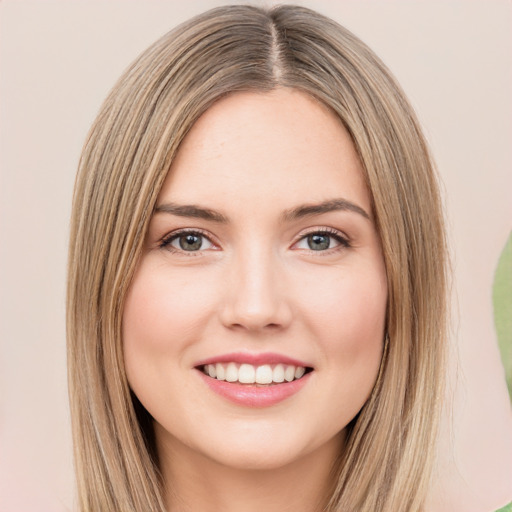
(58, 60)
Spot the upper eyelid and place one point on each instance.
(321, 229)
(197, 231)
(343, 241)
(166, 241)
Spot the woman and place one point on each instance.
(256, 301)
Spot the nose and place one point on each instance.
(255, 297)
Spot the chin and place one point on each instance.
(256, 458)
(268, 450)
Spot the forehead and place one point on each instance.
(281, 146)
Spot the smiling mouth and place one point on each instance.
(264, 375)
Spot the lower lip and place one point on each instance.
(253, 395)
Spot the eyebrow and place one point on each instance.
(190, 210)
(305, 210)
(331, 205)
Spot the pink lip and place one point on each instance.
(254, 359)
(252, 395)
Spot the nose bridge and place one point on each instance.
(256, 296)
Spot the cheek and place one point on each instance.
(350, 309)
(160, 321)
(159, 307)
(348, 319)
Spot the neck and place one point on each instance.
(194, 482)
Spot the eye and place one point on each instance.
(187, 241)
(321, 241)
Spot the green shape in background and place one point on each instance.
(502, 300)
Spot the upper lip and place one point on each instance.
(253, 359)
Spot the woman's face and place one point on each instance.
(262, 267)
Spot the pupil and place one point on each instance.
(318, 242)
(190, 242)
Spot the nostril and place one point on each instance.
(252, 325)
(272, 326)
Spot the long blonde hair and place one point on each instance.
(387, 463)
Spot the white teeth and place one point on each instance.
(232, 372)
(246, 374)
(221, 372)
(264, 374)
(278, 373)
(249, 374)
(289, 373)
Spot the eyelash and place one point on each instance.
(342, 240)
(166, 241)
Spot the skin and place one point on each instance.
(255, 285)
